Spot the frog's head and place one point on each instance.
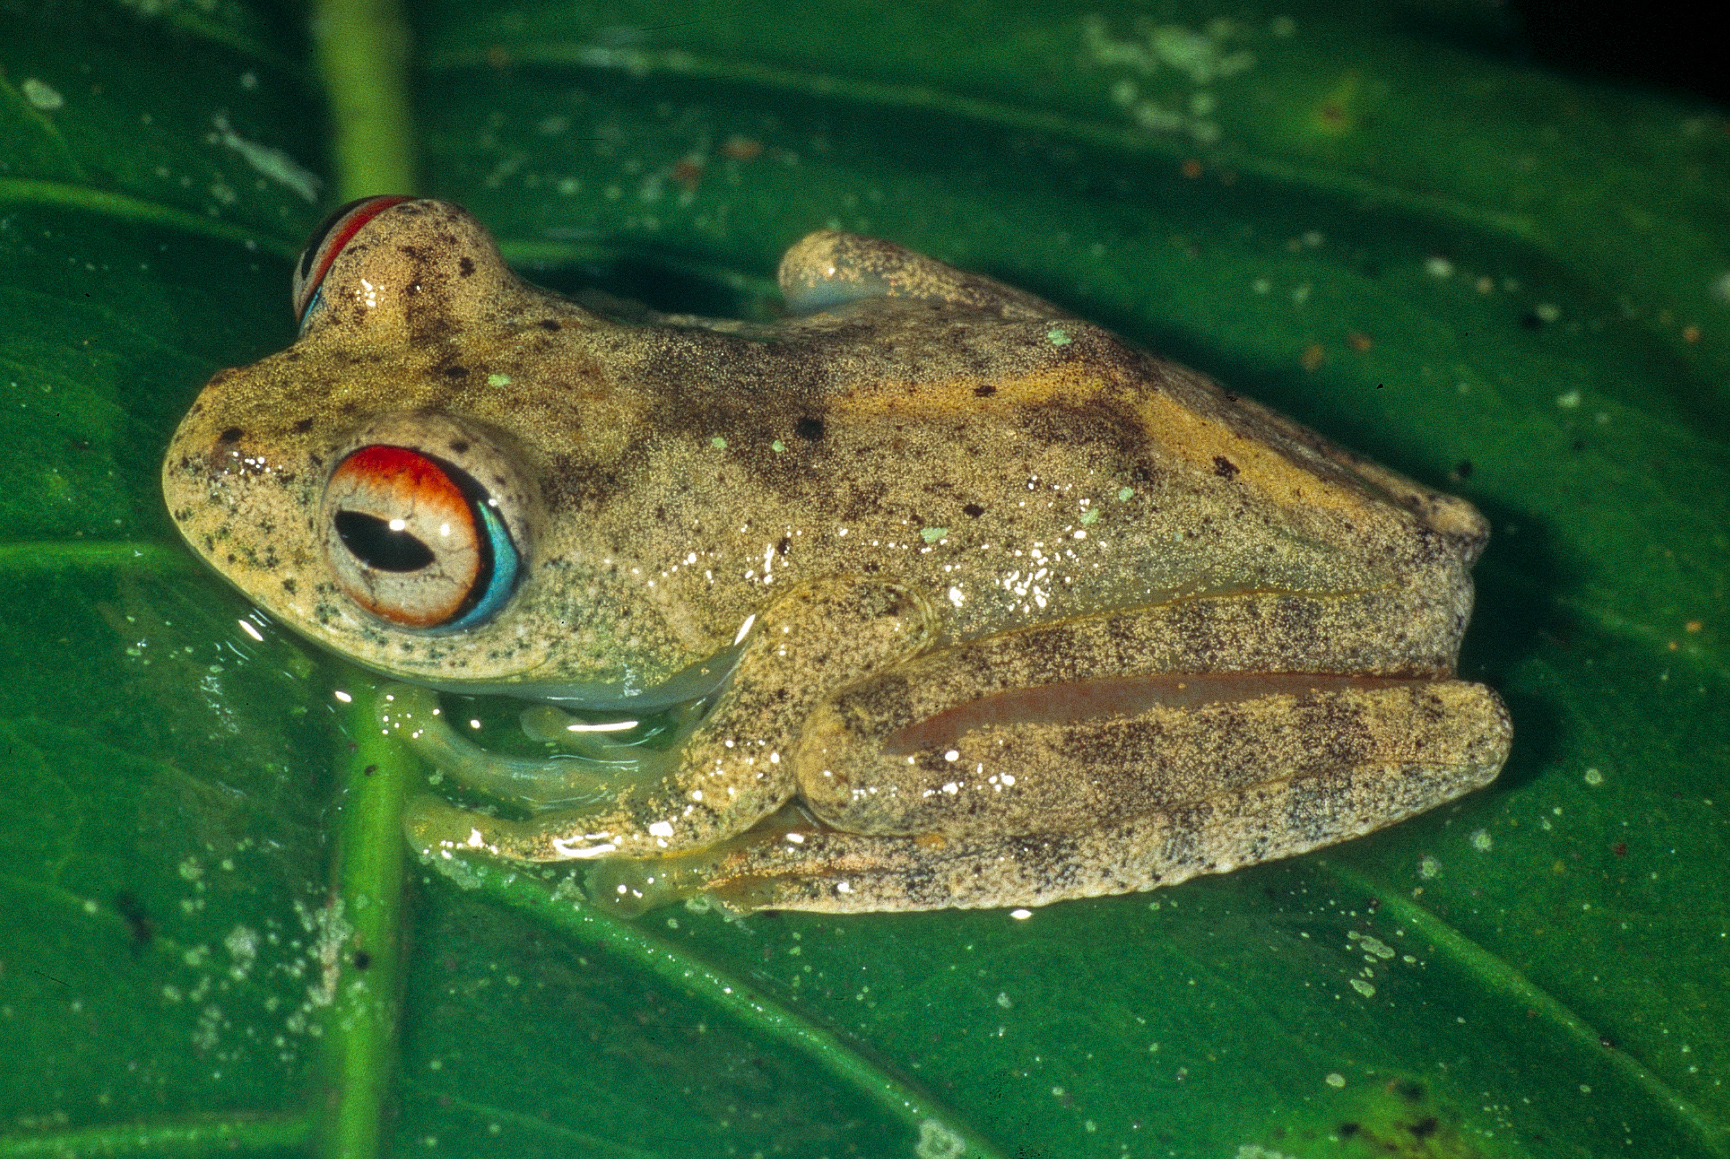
(377, 486)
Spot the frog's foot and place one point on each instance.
(628, 886)
(437, 828)
(528, 782)
(631, 886)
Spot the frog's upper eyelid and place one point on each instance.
(327, 241)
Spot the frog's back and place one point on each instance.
(1012, 468)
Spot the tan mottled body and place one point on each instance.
(941, 493)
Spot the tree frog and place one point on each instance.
(934, 594)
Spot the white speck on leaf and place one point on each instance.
(43, 97)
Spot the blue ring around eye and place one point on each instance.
(313, 306)
(503, 580)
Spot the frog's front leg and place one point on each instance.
(735, 767)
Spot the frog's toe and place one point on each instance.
(636, 885)
(628, 886)
(436, 828)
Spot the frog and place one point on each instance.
(925, 594)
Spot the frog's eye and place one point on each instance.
(328, 240)
(417, 541)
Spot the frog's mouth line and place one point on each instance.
(1122, 696)
(701, 680)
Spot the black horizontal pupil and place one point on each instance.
(372, 541)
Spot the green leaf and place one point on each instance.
(1502, 281)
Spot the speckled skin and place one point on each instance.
(932, 491)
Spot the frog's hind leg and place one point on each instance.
(835, 872)
(534, 783)
(829, 269)
(1042, 805)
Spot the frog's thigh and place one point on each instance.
(829, 268)
(842, 872)
(1235, 826)
(975, 773)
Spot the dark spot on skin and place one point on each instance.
(1620, 849)
(809, 428)
(459, 446)
(1411, 1092)
(548, 324)
(456, 372)
(985, 391)
(288, 586)
(137, 921)
(973, 509)
(1577, 445)
(1531, 321)
(1424, 1128)
(362, 960)
(1224, 467)
(1463, 469)
(231, 435)
(466, 266)
(786, 542)
(303, 426)
(1347, 1130)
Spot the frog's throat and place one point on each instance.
(532, 783)
(698, 681)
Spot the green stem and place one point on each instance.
(361, 49)
(360, 1024)
(214, 1136)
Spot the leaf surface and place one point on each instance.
(1501, 281)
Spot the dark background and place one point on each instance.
(1663, 43)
